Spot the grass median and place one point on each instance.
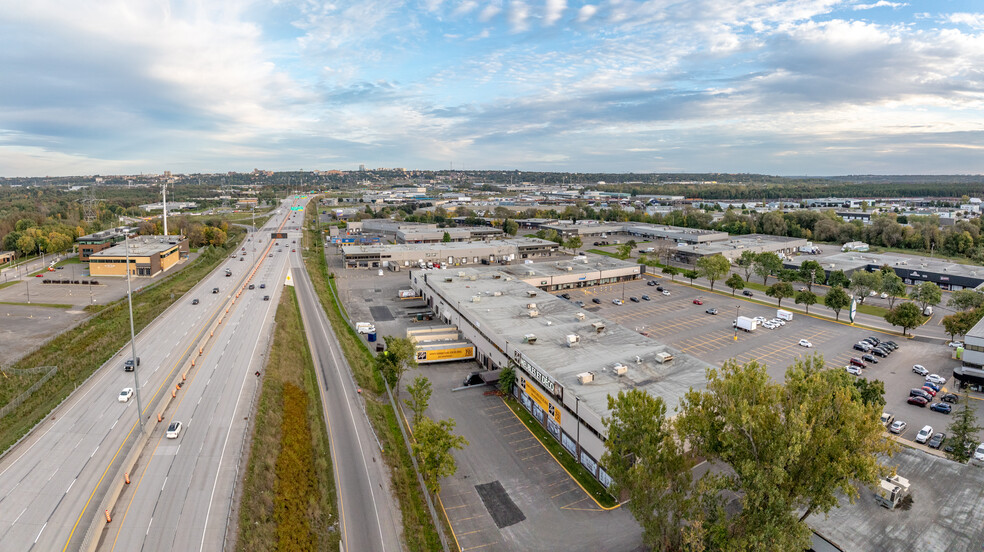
(80, 351)
(289, 496)
(419, 533)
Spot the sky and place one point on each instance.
(796, 87)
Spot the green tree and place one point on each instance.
(864, 282)
(446, 238)
(648, 464)
(573, 243)
(959, 323)
(767, 264)
(713, 268)
(787, 275)
(838, 278)
(907, 315)
(780, 291)
(808, 273)
(735, 282)
(747, 263)
(836, 299)
(672, 271)
(966, 299)
(806, 298)
(507, 378)
(511, 227)
(963, 431)
(433, 444)
(926, 293)
(691, 274)
(623, 251)
(872, 391)
(893, 285)
(787, 449)
(420, 393)
(400, 356)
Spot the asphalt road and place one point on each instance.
(370, 519)
(51, 484)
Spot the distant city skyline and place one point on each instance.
(798, 87)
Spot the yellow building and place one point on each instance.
(149, 256)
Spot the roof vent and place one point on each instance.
(496, 293)
(529, 338)
(531, 305)
(534, 313)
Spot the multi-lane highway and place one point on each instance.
(52, 484)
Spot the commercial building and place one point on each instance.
(677, 234)
(450, 254)
(734, 246)
(171, 206)
(417, 232)
(567, 360)
(913, 269)
(98, 241)
(971, 371)
(7, 256)
(148, 255)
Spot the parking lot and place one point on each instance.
(677, 321)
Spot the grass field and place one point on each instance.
(289, 500)
(81, 350)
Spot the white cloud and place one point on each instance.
(880, 4)
(972, 20)
(465, 8)
(553, 10)
(586, 12)
(519, 14)
(489, 11)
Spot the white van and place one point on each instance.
(784, 315)
(365, 328)
(928, 311)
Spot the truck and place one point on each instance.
(745, 323)
(784, 315)
(891, 490)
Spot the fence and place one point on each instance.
(9, 407)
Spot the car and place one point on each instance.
(898, 426)
(778, 321)
(863, 346)
(293, 251)
(618, 302)
(251, 286)
(936, 378)
(174, 430)
(125, 394)
(711, 310)
(853, 370)
(596, 301)
(860, 347)
(262, 286)
(920, 369)
(634, 299)
(747, 293)
(194, 301)
(855, 361)
(579, 303)
(879, 352)
(884, 296)
(805, 343)
(941, 407)
(266, 297)
(698, 301)
(645, 298)
(665, 292)
(871, 341)
(892, 343)
(887, 419)
(936, 441)
(39, 275)
(932, 386)
(918, 401)
(651, 283)
(566, 296)
(949, 397)
(129, 363)
(929, 390)
(659, 288)
(270, 255)
(955, 344)
(759, 319)
(872, 294)
(920, 393)
(979, 453)
(215, 290)
(924, 434)
(869, 358)
(242, 258)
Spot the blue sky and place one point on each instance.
(800, 87)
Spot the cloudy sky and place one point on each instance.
(796, 87)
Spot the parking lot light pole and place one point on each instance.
(737, 310)
(577, 419)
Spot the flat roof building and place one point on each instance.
(97, 241)
(734, 246)
(567, 360)
(148, 256)
(676, 234)
(913, 269)
(450, 254)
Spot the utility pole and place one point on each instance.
(164, 197)
(133, 339)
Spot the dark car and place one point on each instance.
(878, 351)
(659, 288)
(918, 401)
(892, 343)
(936, 441)
(251, 286)
(949, 397)
(869, 358)
(645, 298)
(920, 393)
(940, 407)
(860, 347)
(875, 339)
(711, 310)
(870, 341)
(262, 286)
(194, 301)
(266, 297)
(651, 283)
(747, 293)
(634, 299)
(858, 362)
(596, 300)
(566, 296)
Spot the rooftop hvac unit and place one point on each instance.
(529, 338)
(509, 279)
(585, 377)
(447, 280)
(573, 339)
(534, 313)
(663, 358)
(579, 316)
(598, 326)
(461, 274)
(530, 293)
(476, 298)
(473, 277)
(497, 293)
(530, 273)
(531, 305)
(620, 369)
(568, 268)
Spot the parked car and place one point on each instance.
(711, 310)
(884, 296)
(932, 392)
(858, 362)
(936, 378)
(949, 397)
(645, 298)
(174, 430)
(941, 407)
(979, 453)
(853, 370)
(747, 293)
(920, 369)
(194, 301)
(892, 343)
(566, 296)
(887, 419)
(805, 343)
(659, 288)
(875, 339)
(251, 286)
(634, 299)
(955, 344)
(920, 393)
(924, 434)
(125, 394)
(869, 358)
(877, 351)
(698, 301)
(596, 301)
(932, 386)
(651, 283)
(665, 292)
(918, 401)
(266, 297)
(936, 441)
(617, 302)
(861, 347)
(897, 427)
(262, 286)
(579, 303)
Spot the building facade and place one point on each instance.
(148, 257)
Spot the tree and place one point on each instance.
(446, 238)
(511, 227)
(507, 378)
(767, 264)
(573, 243)
(747, 263)
(893, 285)
(787, 275)
(400, 356)
(926, 293)
(433, 444)
(907, 315)
(787, 449)
(780, 291)
(672, 271)
(864, 282)
(966, 299)
(872, 391)
(838, 278)
(692, 275)
(420, 393)
(735, 282)
(963, 431)
(836, 299)
(647, 463)
(623, 251)
(713, 267)
(808, 273)
(806, 298)
(959, 323)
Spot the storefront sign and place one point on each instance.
(539, 399)
(546, 381)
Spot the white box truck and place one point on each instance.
(784, 315)
(745, 323)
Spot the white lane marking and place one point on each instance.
(39, 532)
(94, 451)
(148, 526)
(114, 424)
(19, 516)
(70, 485)
(165, 483)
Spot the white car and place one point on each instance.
(805, 343)
(920, 369)
(125, 394)
(173, 430)
(853, 370)
(884, 296)
(955, 344)
(872, 294)
(759, 319)
(979, 453)
(924, 434)
(937, 379)
(617, 302)
(665, 292)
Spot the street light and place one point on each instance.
(577, 419)
(737, 310)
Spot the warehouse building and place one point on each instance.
(95, 242)
(449, 254)
(913, 269)
(149, 256)
(733, 247)
(634, 230)
(567, 360)
(418, 232)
